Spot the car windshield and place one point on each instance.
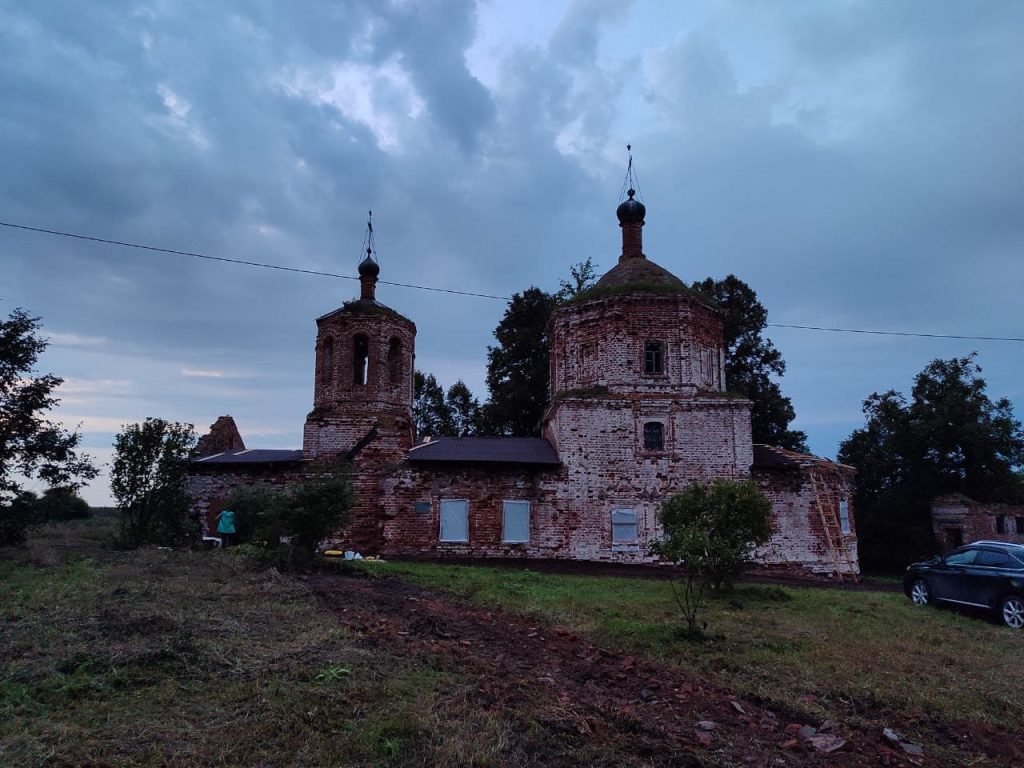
(962, 558)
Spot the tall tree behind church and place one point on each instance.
(950, 437)
(752, 362)
(517, 369)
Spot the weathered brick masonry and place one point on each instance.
(639, 410)
(958, 519)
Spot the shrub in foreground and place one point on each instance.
(288, 524)
(711, 531)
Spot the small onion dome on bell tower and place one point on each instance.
(369, 269)
(631, 210)
(631, 214)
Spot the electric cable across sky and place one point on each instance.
(318, 273)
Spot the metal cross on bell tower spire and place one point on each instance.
(369, 268)
(631, 213)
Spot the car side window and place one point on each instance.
(962, 558)
(995, 559)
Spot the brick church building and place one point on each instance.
(639, 409)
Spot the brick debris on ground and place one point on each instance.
(521, 665)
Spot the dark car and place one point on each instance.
(985, 574)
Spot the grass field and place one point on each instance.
(829, 652)
(159, 657)
(156, 658)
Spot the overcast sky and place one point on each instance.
(859, 164)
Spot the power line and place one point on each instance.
(243, 262)
(897, 333)
(319, 273)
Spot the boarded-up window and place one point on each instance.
(623, 526)
(421, 507)
(654, 357)
(454, 520)
(654, 436)
(844, 515)
(515, 526)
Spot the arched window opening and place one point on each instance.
(360, 359)
(327, 361)
(654, 436)
(395, 360)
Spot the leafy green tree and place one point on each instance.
(949, 438)
(464, 410)
(455, 414)
(30, 444)
(711, 530)
(582, 276)
(752, 362)
(148, 482)
(62, 503)
(431, 414)
(517, 369)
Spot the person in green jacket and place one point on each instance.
(226, 527)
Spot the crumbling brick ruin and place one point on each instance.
(639, 409)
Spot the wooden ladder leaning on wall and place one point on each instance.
(829, 514)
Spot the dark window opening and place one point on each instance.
(1000, 523)
(654, 357)
(1020, 525)
(395, 360)
(327, 370)
(360, 359)
(654, 436)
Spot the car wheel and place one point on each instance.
(1013, 611)
(920, 593)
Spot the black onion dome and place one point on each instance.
(631, 210)
(369, 268)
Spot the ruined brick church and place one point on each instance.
(639, 408)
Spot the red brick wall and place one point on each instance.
(346, 412)
(601, 343)
(974, 521)
(799, 540)
(211, 486)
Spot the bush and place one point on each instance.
(289, 524)
(711, 531)
(17, 517)
(62, 504)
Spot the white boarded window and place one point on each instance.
(515, 526)
(844, 515)
(454, 520)
(623, 526)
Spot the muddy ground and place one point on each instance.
(598, 695)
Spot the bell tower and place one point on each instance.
(362, 391)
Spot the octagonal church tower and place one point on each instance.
(639, 407)
(362, 395)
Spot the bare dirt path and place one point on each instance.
(590, 693)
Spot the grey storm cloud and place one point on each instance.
(858, 164)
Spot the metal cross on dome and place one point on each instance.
(369, 245)
(631, 185)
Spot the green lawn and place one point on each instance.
(827, 652)
(157, 658)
